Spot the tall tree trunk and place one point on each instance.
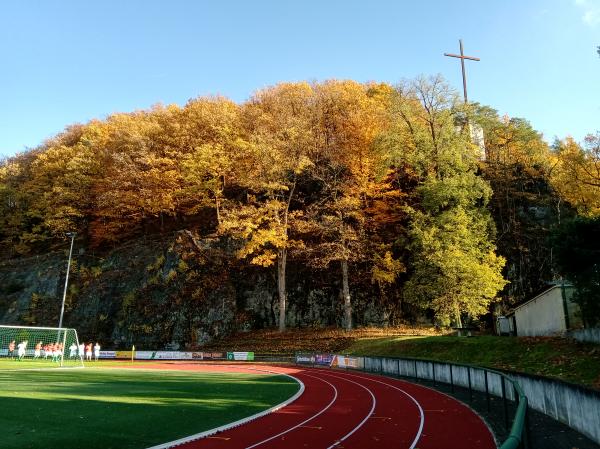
(458, 318)
(346, 295)
(281, 264)
(218, 207)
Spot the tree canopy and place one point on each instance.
(378, 186)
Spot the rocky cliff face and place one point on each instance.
(169, 292)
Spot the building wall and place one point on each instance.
(545, 314)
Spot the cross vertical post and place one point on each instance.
(462, 58)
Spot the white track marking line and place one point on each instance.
(206, 433)
(421, 412)
(305, 421)
(360, 424)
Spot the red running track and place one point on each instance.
(351, 410)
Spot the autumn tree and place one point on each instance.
(139, 181)
(62, 181)
(48, 191)
(211, 145)
(278, 150)
(14, 202)
(525, 206)
(348, 118)
(576, 173)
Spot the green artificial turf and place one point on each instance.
(28, 363)
(124, 408)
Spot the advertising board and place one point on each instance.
(240, 356)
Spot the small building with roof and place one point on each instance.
(550, 313)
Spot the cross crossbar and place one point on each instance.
(462, 58)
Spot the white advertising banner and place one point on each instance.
(173, 355)
(166, 355)
(305, 358)
(144, 355)
(346, 362)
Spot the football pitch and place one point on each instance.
(99, 407)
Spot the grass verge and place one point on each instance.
(553, 357)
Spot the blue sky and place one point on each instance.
(71, 61)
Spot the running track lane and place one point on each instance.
(353, 410)
(447, 423)
(312, 421)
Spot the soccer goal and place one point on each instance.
(39, 347)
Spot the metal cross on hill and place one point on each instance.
(462, 58)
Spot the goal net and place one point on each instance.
(39, 347)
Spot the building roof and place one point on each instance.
(565, 285)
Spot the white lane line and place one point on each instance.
(360, 424)
(420, 431)
(335, 395)
(237, 423)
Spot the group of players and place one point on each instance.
(55, 350)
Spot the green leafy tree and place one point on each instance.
(577, 249)
(455, 270)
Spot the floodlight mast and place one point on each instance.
(62, 309)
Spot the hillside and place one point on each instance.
(311, 204)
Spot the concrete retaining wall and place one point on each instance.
(576, 406)
(591, 335)
(441, 372)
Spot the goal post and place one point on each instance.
(39, 347)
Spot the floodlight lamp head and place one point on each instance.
(71, 234)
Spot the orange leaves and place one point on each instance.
(386, 268)
(576, 174)
(260, 230)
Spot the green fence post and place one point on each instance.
(470, 386)
(504, 403)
